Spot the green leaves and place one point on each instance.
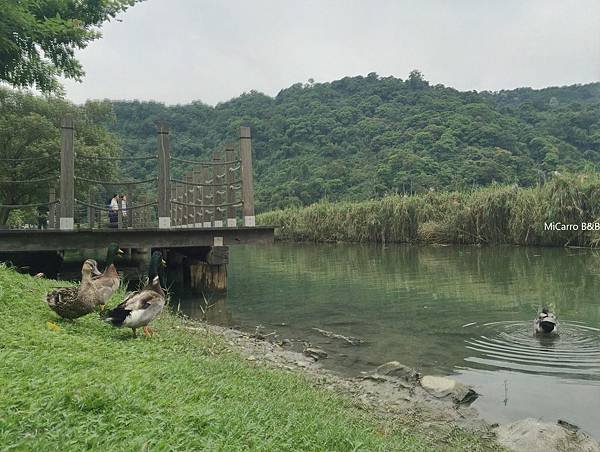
(38, 38)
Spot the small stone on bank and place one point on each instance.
(441, 387)
(315, 353)
(395, 369)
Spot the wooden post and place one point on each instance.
(164, 178)
(52, 207)
(127, 212)
(247, 186)
(90, 210)
(189, 197)
(178, 209)
(218, 191)
(211, 273)
(67, 174)
(184, 200)
(206, 198)
(229, 179)
(173, 206)
(198, 211)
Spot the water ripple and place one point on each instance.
(575, 353)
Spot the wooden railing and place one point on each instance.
(209, 194)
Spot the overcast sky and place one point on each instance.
(177, 51)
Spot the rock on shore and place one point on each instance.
(533, 435)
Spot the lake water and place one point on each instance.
(461, 311)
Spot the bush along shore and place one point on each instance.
(85, 385)
(564, 211)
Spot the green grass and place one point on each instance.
(91, 386)
(498, 214)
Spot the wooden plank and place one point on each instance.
(164, 177)
(48, 240)
(67, 174)
(230, 178)
(247, 184)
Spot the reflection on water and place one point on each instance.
(467, 311)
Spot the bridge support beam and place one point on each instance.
(229, 157)
(247, 184)
(164, 178)
(67, 174)
(206, 269)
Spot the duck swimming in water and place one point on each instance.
(545, 323)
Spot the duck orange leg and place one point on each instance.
(148, 331)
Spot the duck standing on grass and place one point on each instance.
(110, 271)
(545, 323)
(77, 301)
(74, 302)
(143, 306)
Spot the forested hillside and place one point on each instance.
(362, 137)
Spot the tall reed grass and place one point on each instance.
(497, 214)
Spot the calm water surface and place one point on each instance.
(464, 311)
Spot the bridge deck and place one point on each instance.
(50, 240)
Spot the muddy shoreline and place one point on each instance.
(434, 405)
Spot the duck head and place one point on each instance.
(89, 268)
(156, 263)
(112, 251)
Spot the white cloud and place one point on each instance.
(177, 51)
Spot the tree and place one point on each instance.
(416, 80)
(30, 145)
(375, 135)
(38, 38)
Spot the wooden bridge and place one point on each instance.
(193, 218)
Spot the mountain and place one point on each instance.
(361, 137)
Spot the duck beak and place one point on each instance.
(96, 272)
(120, 252)
(163, 262)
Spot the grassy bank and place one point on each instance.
(89, 386)
(497, 214)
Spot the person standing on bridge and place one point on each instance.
(113, 213)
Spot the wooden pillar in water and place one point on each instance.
(229, 189)
(211, 273)
(67, 175)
